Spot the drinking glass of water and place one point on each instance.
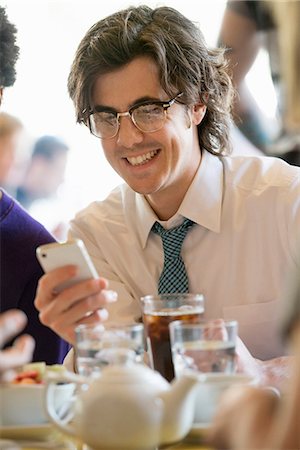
(206, 346)
(98, 346)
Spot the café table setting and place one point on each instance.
(116, 401)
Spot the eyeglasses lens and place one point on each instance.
(147, 118)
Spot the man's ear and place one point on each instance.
(198, 112)
(1, 94)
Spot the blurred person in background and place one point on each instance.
(252, 418)
(10, 129)
(20, 271)
(45, 171)
(247, 27)
(38, 191)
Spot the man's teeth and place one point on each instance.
(141, 159)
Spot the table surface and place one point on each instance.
(178, 447)
(48, 438)
(58, 441)
(183, 446)
(41, 446)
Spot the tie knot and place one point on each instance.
(172, 239)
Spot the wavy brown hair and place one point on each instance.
(177, 46)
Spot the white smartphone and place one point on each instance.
(55, 255)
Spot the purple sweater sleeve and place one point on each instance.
(20, 271)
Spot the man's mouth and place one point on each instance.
(141, 159)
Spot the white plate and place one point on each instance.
(43, 431)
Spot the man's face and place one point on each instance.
(170, 156)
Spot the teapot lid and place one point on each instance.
(136, 373)
(122, 368)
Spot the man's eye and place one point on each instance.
(149, 109)
(105, 118)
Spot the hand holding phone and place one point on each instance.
(55, 255)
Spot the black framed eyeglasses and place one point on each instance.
(147, 116)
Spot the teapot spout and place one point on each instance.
(179, 409)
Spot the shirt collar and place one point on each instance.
(146, 217)
(202, 202)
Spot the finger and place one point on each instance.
(109, 296)
(67, 330)
(25, 344)
(12, 323)
(95, 318)
(63, 320)
(216, 330)
(50, 281)
(245, 363)
(79, 311)
(77, 301)
(7, 376)
(84, 289)
(99, 316)
(17, 355)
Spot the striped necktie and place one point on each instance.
(173, 277)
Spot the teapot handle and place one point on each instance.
(51, 382)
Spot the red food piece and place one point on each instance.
(32, 374)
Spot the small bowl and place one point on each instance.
(210, 389)
(24, 404)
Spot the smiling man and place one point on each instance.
(145, 83)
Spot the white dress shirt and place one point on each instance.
(247, 219)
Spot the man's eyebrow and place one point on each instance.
(145, 99)
(138, 101)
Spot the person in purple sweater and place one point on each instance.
(20, 235)
(20, 271)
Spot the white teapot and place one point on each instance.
(129, 406)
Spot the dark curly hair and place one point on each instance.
(9, 51)
(177, 46)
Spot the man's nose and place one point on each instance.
(128, 133)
